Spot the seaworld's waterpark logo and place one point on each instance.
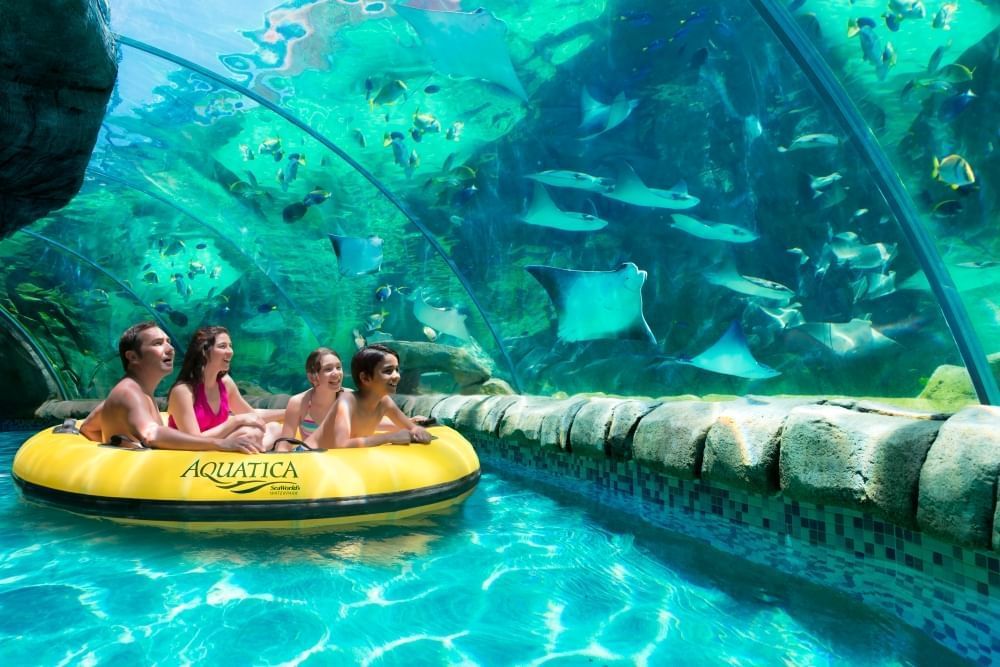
(280, 478)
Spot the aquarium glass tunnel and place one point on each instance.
(555, 196)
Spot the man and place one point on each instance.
(130, 413)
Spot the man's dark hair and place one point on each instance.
(129, 341)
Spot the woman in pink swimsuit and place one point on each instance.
(204, 399)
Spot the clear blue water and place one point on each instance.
(512, 576)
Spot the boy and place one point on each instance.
(356, 415)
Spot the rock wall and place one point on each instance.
(932, 472)
(57, 71)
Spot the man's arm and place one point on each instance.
(153, 433)
(90, 427)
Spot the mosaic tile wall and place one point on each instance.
(950, 592)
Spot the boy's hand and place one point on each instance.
(420, 435)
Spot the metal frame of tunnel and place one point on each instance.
(41, 359)
(829, 89)
(354, 164)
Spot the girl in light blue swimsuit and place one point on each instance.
(306, 411)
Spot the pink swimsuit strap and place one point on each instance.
(203, 411)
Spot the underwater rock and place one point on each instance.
(57, 71)
(58, 410)
(950, 387)
(417, 357)
(672, 437)
(959, 478)
(492, 387)
(855, 459)
(741, 447)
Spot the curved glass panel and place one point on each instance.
(649, 200)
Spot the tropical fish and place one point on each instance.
(183, 288)
(176, 246)
(431, 89)
(426, 122)
(471, 44)
(819, 183)
(730, 355)
(953, 170)
(952, 106)
(599, 118)
(357, 256)
(150, 277)
(201, 246)
(359, 340)
(712, 231)
(947, 209)
(544, 213)
(294, 212)
(178, 318)
(807, 141)
(430, 333)
(945, 15)
(935, 60)
(398, 142)
(383, 292)
(454, 132)
(596, 304)
(892, 21)
(389, 94)
(271, 146)
(443, 320)
(630, 189)
(369, 88)
(910, 9)
(290, 170)
(196, 267)
(573, 179)
(246, 152)
(266, 307)
(316, 196)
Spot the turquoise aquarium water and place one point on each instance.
(512, 576)
(636, 198)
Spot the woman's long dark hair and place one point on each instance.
(196, 356)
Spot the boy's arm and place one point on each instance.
(341, 431)
(417, 433)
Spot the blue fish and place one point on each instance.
(954, 105)
(383, 292)
(316, 197)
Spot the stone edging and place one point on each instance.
(932, 472)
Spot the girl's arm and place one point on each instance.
(293, 416)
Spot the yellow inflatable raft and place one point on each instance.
(228, 490)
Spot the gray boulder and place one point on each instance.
(741, 447)
(959, 479)
(57, 71)
(417, 358)
(864, 460)
(672, 436)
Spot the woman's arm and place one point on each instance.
(180, 405)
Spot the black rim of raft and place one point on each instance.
(184, 511)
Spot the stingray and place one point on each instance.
(712, 231)
(357, 255)
(751, 286)
(598, 117)
(630, 189)
(874, 285)
(265, 323)
(544, 213)
(596, 304)
(731, 356)
(849, 250)
(443, 320)
(848, 339)
(471, 44)
(561, 178)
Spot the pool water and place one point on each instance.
(510, 577)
